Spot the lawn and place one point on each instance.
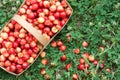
(95, 21)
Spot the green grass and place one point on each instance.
(95, 21)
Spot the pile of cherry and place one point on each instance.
(18, 48)
(48, 17)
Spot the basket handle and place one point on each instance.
(30, 29)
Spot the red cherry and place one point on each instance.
(42, 54)
(57, 15)
(18, 26)
(62, 48)
(60, 8)
(44, 61)
(63, 14)
(7, 63)
(41, 26)
(102, 65)
(108, 70)
(13, 68)
(8, 68)
(25, 6)
(63, 3)
(11, 57)
(62, 23)
(68, 66)
(54, 44)
(46, 4)
(29, 51)
(82, 61)
(2, 64)
(50, 33)
(23, 42)
(10, 25)
(14, 44)
(19, 66)
(59, 43)
(68, 11)
(42, 71)
(76, 50)
(19, 70)
(53, 8)
(26, 46)
(16, 35)
(75, 76)
(63, 58)
(81, 66)
(33, 1)
(36, 49)
(13, 22)
(16, 59)
(46, 30)
(91, 58)
(26, 57)
(41, 4)
(48, 23)
(25, 65)
(35, 6)
(34, 55)
(85, 44)
(20, 61)
(5, 54)
(86, 55)
(31, 15)
(95, 62)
